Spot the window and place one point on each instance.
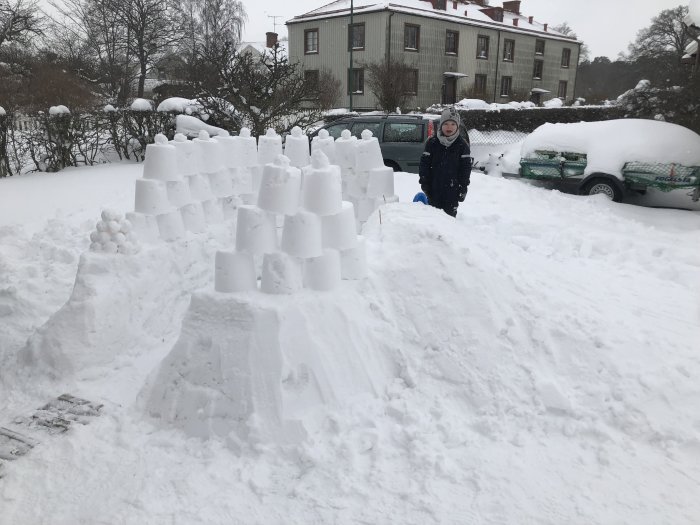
(561, 93)
(411, 37)
(451, 42)
(506, 86)
(537, 71)
(539, 47)
(479, 84)
(482, 46)
(401, 132)
(358, 81)
(311, 41)
(508, 50)
(356, 36)
(412, 82)
(565, 57)
(311, 77)
(358, 127)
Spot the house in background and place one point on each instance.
(454, 47)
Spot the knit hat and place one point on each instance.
(449, 114)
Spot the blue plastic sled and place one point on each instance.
(421, 197)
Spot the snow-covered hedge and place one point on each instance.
(53, 140)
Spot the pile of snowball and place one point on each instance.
(113, 234)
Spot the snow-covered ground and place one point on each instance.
(533, 361)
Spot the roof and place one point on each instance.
(260, 48)
(465, 12)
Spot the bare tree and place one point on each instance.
(392, 82)
(152, 29)
(328, 89)
(19, 21)
(209, 26)
(665, 37)
(260, 92)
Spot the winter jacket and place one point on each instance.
(444, 172)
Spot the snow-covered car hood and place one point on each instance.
(612, 143)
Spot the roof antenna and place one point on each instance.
(274, 21)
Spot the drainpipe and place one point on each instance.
(350, 35)
(578, 61)
(388, 38)
(498, 54)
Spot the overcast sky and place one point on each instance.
(607, 26)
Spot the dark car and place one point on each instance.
(401, 137)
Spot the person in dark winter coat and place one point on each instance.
(446, 165)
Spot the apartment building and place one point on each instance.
(454, 48)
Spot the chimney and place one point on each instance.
(271, 39)
(530, 19)
(545, 27)
(515, 22)
(513, 6)
(494, 13)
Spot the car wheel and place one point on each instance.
(605, 186)
(391, 164)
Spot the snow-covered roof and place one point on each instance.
(261, 47)
(461, 12)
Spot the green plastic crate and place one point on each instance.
(540, 168)
(573, 168)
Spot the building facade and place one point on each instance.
(454, 48)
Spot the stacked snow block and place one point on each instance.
(367, 182)
(188, 185)
(113, 234)
(318, 245)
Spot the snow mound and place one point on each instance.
(553, 103)
(2, 111)
(192, 126)
(141, 104)
(59, 110)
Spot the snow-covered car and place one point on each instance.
(614, 157)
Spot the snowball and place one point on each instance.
(245, 132)
(203, 135)
(108, 215)
(126, 226)
(2, 111)
(95, 247)
(160, 139)
(103, 237)
(179, 137)
(109, 108)
(345, 134)
(324, 134)
(296, 131)
(113, 226)
(270, 133)
(119, 238)
(367, 134)
(223, 133)
(101, 226)
(109, 247)
(281, 160)
(95, 236)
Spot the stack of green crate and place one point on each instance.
(541, 165)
